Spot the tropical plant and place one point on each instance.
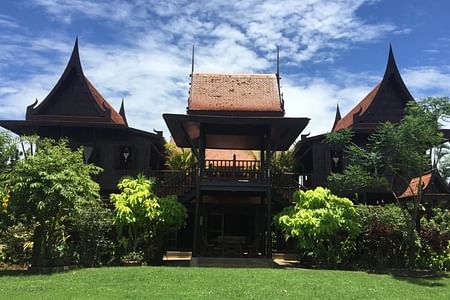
(91, 227)
(324, 225)
(383, 239)
(44, 189)
(142, 218)
(284, 160)
(179, 158)
(435, 240)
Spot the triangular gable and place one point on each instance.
(431, 182)
(74, 98)
(385, 102)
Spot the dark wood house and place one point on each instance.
(75, 110)
(385, 102)
(232, 197)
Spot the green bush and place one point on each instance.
(435, 246)
(92, 232)
(17, 244)
(323, 225)
(143, 219)
(383, 239)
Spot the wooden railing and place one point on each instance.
(285, 183)
(233, 170)
(174, 182)
(180, 182)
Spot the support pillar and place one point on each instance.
(198, 196)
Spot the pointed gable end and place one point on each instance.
(385, 102)
(74, 99)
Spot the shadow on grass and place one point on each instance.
(426, 278)
(25, 271)
(14, 273)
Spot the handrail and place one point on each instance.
(284, 183)
(242, 170)
(174, 182)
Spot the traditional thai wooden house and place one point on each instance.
(385, 102)
(232, 193)
(75, 110)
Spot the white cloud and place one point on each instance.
(428, 80)
(316, 99)
(151, 65)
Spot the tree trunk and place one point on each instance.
(37, 257)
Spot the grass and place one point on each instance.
(218, 283)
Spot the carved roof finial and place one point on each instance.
(74, 60)
(192, 63)
(337, 117)
(122, 112)
(391, 66)
(278, 62)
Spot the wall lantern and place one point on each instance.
(126, 154)
(335, 158)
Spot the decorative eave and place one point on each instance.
(76, 92)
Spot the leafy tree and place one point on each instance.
(179, 158)
(8, 151)
(284, 160)
(44, 189)
(143, 217)
(323, 224)
(399, 151)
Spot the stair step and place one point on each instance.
(231, 262)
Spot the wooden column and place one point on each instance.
(269, 194)
(198, 196)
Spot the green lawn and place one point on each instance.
(215, 283)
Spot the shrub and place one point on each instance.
(17, 244)
(383, 240)
(435, 246)
(324, 226)
(92, 231)
(143, 219)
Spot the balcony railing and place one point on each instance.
(233, 170)
(180, 182)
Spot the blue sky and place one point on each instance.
(332, 51)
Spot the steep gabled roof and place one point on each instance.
(220, 93)
(74, 98)
(385, 102)
(431, 182)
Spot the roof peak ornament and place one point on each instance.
(192, 60)
(337, 117)
(122, 112)
(391, 66)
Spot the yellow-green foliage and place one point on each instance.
(145, 215)
(320, 222)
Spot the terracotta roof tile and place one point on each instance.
(359, 109)
(413, 186)
(234, 92)
(115, 116)
(218, 154)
